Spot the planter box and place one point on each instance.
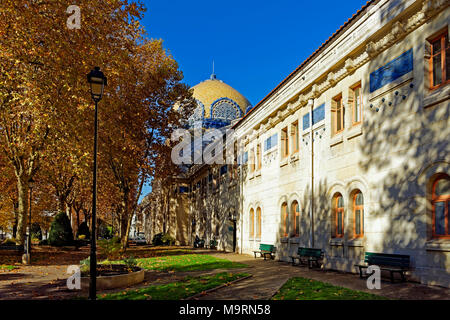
(114, 282)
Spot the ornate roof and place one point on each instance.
(218, 103)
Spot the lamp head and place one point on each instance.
(97, 81)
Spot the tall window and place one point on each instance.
(252, 160)
(258, 157)
(258, 223)
(285, 219)
(357, 104)
(337, 114)
(440, 204)
(440, 61)
(295, 138)
(358, 215)
(284, 142)
(296, 218)
(251, 222)
(339, 215)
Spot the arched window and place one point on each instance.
(295, 214)
(258, 223)
(285, 219)
(338, 205)
(440, 204)
(252, 223)
(358, 215)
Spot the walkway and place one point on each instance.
(269, 276)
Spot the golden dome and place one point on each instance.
(212, 91)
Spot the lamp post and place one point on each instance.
(27, 259)
(97, 81)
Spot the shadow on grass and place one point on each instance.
(177, 290)
(306, 289)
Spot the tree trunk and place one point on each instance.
(22, 194)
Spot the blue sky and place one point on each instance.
(255, 44)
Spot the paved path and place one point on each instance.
(49, 282)
(269, 276)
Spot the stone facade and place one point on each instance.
(378, 162)
(391, 156)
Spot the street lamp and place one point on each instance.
(28, 246)
(97, 81)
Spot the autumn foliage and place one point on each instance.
(46, 112)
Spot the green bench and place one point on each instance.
(311, 256)
(394, 263)
(266, 250)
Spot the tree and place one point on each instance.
(42, 75)
(60, 231)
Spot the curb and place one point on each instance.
(201, 294)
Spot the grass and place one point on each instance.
(175, 291)
(189, 262)
(306, 289)
(7, 267)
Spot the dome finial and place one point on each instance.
(213, 75)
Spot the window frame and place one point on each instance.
(361, 220)
(258, 223)
(284, 142)
(295, 214)
(295, 133)
(354, 104)
(441, 36)
(252, 160)
(336, 211)
(285, 219)
(258, 157)
(252, 224)
(434, 200)
(336, 100)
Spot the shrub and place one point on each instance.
(60, 231)
(130, 262)
(85, 265)
(36, 231)
(111, 248)
(43, 242)
(83, 230)
(163, 239)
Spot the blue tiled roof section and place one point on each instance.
(392, 71)
(318, 114)
(271, 142)
(248, 109)
(306, 121)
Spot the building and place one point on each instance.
(349, 153)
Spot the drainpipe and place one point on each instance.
(311, 105)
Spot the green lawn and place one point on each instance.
(7, 267)
(176, 290)
(306, 289)
(189, 262)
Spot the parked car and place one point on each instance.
(138, 240)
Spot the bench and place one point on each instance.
(266, 250)
(394, 263)
(11, 250)
(312, 256)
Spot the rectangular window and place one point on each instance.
(337, 114)
(357, 105)
(258, 157)
(284, 143)
(295, 138)
(440, 218)
(440, 61)
(252, 160)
